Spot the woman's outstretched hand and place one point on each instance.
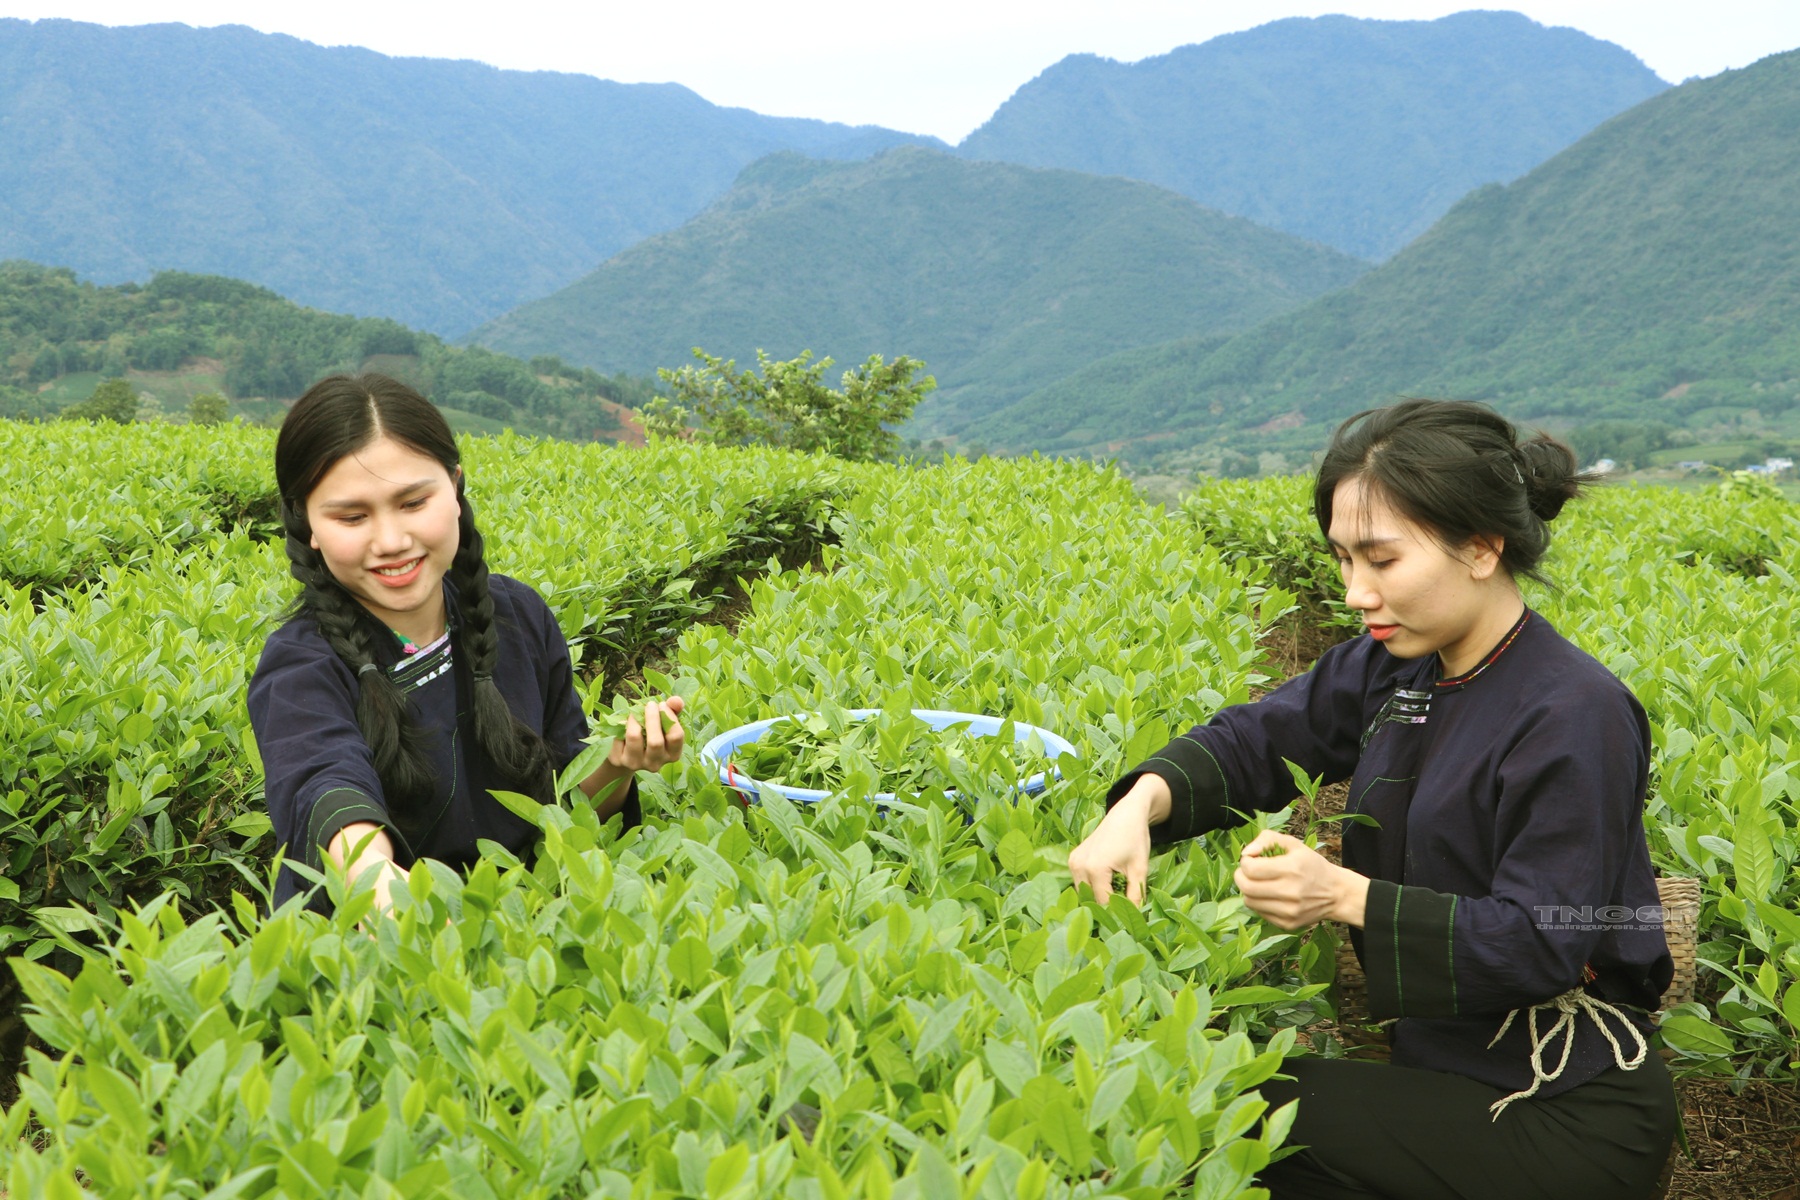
(1121, 843)
(363, 848)
(1291, 886)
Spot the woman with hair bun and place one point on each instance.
(1504, 771)
(408, 682)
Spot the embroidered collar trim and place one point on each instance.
(1468, 677)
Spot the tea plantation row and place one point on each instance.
(640, 1015)
(633, 1016)
(126, 636)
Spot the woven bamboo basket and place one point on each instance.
(1680, 900)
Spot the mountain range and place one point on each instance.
(437, 193)
(443, 194)
(1355, 133)
(1650, 272)
(1001, 278)
(1141, 259)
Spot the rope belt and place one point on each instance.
(1568, 1005)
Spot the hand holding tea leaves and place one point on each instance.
(646, 741)
(1293, 886)
(633, 740)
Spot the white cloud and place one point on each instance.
(930, 66)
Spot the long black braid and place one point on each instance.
(513, 746)
(337, 416)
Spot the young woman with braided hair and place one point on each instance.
(408, 682)
(1505, 772)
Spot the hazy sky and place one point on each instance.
(926, 66)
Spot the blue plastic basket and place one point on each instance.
(719, 751)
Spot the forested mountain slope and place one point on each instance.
(1355, 133)
(1000, 277)
(438, 193)
(1649, 272)
(182, 334)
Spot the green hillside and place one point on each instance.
(438, 193)
(1002, 278)
(1651, 272)
(182, 334)
(1358, 134)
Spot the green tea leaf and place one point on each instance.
(690, 961)
(1753, 857)
(1696, 1036)
(1016, 853)
(1066, 1133)
(523, 807)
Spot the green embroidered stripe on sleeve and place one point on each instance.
(1424, 925)
(1224, 783)
(1399, 1004)
(1381, 949)
(1204, 806)
(1196, 789)
(1409, 936)
(1181, 801)
(332, 811)
(1185, 777)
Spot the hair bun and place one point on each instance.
(1551, 473)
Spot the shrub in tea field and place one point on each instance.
(127, 637)
(640, 1018)
(644, 1013)
(818, 1000)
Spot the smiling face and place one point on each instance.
(384, 518)
(1415, 596)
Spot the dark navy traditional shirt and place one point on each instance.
(1510, 863)
(318, 773)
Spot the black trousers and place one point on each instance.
(1400, 1133)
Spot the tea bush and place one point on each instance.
(76, 497)
(651, 1009)
(823, 1001)
(1708, 647)
(125, 767)
(629, 546)
(1038, 590)
(640, 1017)
(127, 638)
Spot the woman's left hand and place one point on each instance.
(656, 742)
(648, 745)
(1292, 886)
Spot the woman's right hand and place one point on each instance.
(1121, 843)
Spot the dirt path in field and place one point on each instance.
(1738, 1146)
